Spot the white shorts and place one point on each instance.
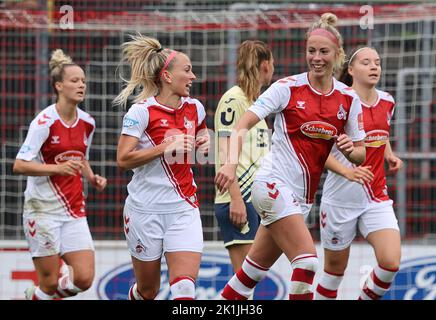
(47, 236)
(275, 201)
(150, 235)
(339, 225)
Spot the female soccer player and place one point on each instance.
(234, 211)
(314, 111)
(356, 197)
(54, 156)
(159, 132)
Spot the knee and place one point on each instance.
(336, 265)
(84, 282)
(389, 263)
(49, 281)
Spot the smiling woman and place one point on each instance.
(161, 214)
(54, 156)
(285, 184)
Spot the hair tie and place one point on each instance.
(159, 50)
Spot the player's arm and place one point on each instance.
(237, 212)
(393, 161)
(128, 157)
(32, 168)
(356, 174)
(96, 180)
(226, 175)
(354, 151)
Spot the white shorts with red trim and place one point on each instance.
(274, 201)
(339, 225)
(150, 235)
(47, 236)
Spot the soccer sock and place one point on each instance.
(377, 283)
(241, 285)
(66, 287)
(134, 294)
(183, 288)
(304, 268)
(328, 285)
(38, 294)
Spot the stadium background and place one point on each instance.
(209, 32)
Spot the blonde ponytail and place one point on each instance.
(146, 58)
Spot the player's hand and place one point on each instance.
(344, 144)
(238, 213)
(395, 164)
(202, 143)
(360, 174)
(99, 182)
(70, 168)
(181, 143)
(225, 177)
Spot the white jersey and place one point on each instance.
(340, 191)
(160, 187)
(305, 126)
(51, 141)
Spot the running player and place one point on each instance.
(54, 156)
(313, 111)
(356, 197)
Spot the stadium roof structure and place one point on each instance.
(240, 17)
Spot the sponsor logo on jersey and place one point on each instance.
(41, 120)
(215, 271)
(301, 104)
(69, 155)
(164, 122)
(226, 120)
(416, 280)
(55, 140)
(376, 138)
(342, 114)
(129, 122)
(319, 130)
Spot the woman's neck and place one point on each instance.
(67, 111)
(169, 99)
(322, 84)
(367, 94)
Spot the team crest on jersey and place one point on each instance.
(55, 140)
(342, 114)
(319, 130)
(69, 155)
(187, 123)
(376, 138)
(129, 122)
(301, 104)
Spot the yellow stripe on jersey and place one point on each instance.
(231, 107)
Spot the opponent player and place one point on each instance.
(234, 211)
(54, 156)
(356, 197)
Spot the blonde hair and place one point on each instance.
(328, 22)
(251, 53)
(146, 58)
(58, 62)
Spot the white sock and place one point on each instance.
(328, 286)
